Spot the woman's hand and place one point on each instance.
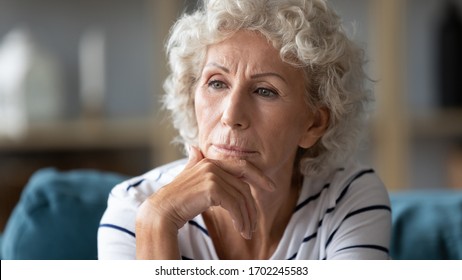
(202, 184)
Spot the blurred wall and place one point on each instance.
(135, 64)
(57, 27)
(433, 134)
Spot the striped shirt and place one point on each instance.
(343, 215)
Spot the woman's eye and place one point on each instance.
(264, 92)
(216, 84)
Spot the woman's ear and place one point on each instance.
(315, 128)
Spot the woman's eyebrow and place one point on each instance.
(259, 75)
(255, 76)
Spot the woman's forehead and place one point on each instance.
(246, 47)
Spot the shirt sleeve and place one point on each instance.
(116, 233)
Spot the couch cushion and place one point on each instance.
(427, 225)
(1, 242)
(58, 215)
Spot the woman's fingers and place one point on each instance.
(205, 183)
(247, 172)
(241, 206)
(239, 168)
(235, 177)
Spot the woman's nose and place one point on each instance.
(236, 112)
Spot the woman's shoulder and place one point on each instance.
(140, 187)
(354, 171)
(165, 173)
(357, 185)
(352, 180)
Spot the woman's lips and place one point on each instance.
(233, 150)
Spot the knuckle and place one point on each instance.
(212, 190)
(213, 201)
(208, 166)
(211, 179)
(207, 162)
(213, 193)
(215, 198)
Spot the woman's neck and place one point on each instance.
(275, 209)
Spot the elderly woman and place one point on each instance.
(268, 100)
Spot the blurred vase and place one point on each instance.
(92, 72)
(30, 84)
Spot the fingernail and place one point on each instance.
(236, 227)
(247, 236)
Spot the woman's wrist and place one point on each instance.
(154, 217)
(156, 234)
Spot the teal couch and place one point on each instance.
(58, 215)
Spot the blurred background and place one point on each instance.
(80, 83)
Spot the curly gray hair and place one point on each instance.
(308, 34)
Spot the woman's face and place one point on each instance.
(250, 105)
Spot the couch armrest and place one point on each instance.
(58, 214)
(1, 243)
(427, 225)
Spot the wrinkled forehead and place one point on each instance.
(249, 48)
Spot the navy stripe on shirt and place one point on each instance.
(369, 208)
(367, 246)
(345, 190)
(314, 197)
(141, 181)
(135, 184)
(354, 178)
(311, 198)
(356, 212)
(326, 186)
(306, 239)
(194, 223)
(118, 228)
(293, 257)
